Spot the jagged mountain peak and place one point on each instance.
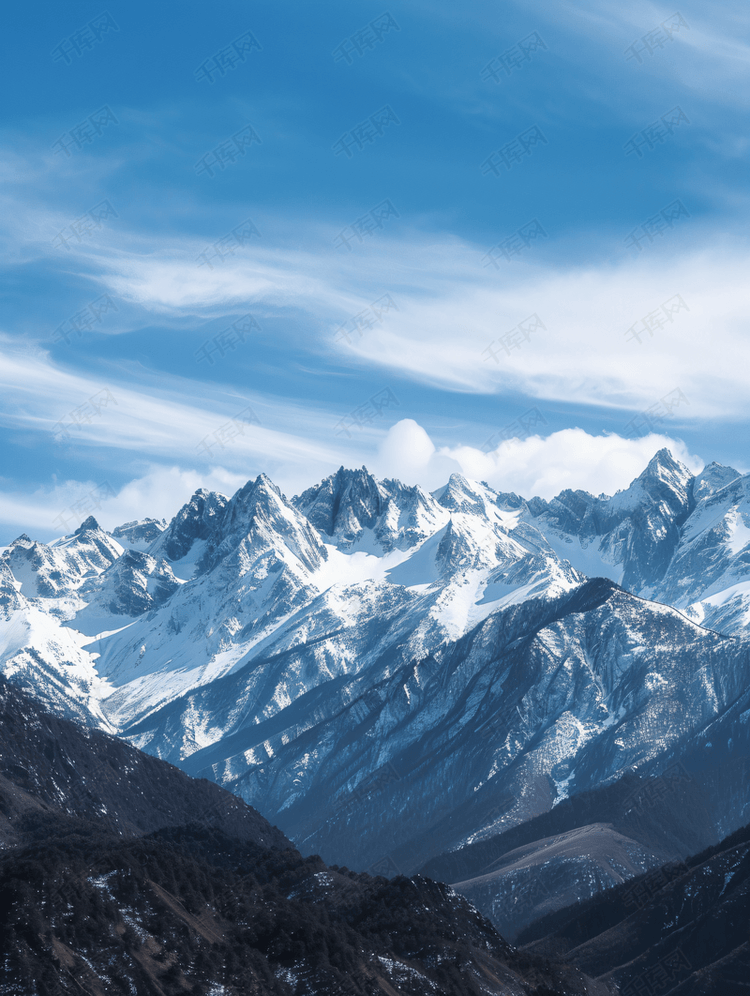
(255, 489)
(140, 533)
(665, 467)
(349, 474)
(258, 496)
(352, 508)
(713, 478)
(463, 495)
(258, 517)
(22, 540)
(87, 525)
(351, 499)
(665, 482)
(576, 504)
(122, 529)
(194, 522)
(58, 568)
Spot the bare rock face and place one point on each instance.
(194, 522)
(351, 503)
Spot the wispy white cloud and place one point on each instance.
(709, 58)
(612, 335)
(155, 420)
(708, 61)
(451, 311)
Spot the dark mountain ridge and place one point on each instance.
(119, 874)
(679, 930)
(49, 765)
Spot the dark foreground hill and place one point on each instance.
(588, 843)
(679, 930)
(120, 874)
(50, 765)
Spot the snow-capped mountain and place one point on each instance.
(375, 667)
(260, 580)
(351, 507)
(58, 569)
(42, 586)
(140, 534)
(671, 537)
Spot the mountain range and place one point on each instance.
(399, 678)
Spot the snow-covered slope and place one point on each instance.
(709, 573)
(546, 698)
(41, 586)
(251, 566)
(267, 589)
(52, 570)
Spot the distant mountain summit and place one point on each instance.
(350, 507)
(139, 534)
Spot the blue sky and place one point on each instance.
(442, 360)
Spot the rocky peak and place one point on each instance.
(139, 533)
(713, 478)
(344, 503)
(23, 540)
(349, 502)
(663, 467)
(196, 520)
(664, 486)
(509, 501)
(462, 495)
(576, 502)
(88, 525)
(258, 492)
(259, 517)
(258, 499)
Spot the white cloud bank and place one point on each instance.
(536, 465)
(540, 466)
